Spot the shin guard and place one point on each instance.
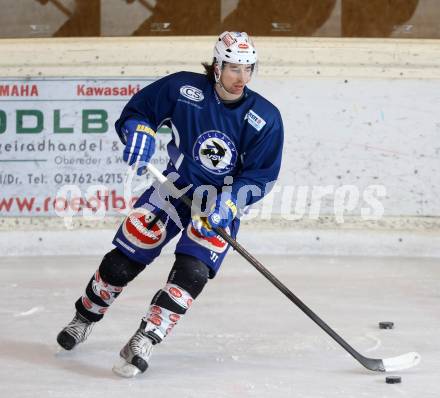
(161, 320)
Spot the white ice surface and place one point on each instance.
(242, 337)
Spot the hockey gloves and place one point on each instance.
(140, 143)
(222, 213)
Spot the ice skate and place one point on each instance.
(135, 355)
(75, 332)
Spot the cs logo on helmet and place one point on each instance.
(192, 93)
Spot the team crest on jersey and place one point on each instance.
(135, 229)
(215, 152)
(192, 93)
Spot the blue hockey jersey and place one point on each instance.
(211, 139)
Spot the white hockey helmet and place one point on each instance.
(235, 48)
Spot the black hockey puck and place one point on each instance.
(386, 325)
(393, 379)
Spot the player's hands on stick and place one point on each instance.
(140, 145)
(222, 213)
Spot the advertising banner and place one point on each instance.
(367, 156)
(57, 138)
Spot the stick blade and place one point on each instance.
(401, 362)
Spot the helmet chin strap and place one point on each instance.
(217, 80)
(224, 89)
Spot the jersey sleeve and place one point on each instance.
(261, 164)
(152, 105)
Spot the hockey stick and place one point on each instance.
(400, 362)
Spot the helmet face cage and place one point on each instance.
(234, 48)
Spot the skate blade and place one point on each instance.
(124, 369)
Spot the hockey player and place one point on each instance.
(225, 137)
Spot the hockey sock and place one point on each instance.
(97, 298)
(168, 306)
(115, 271)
